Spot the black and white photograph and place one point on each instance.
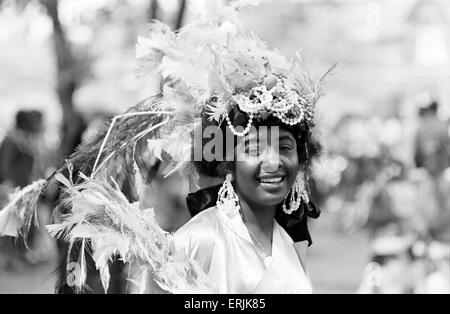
(251, 149)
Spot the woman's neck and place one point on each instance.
(258, 216)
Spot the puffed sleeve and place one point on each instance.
(197, 239)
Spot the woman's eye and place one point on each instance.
(285, 148)
(253, 151)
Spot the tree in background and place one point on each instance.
(73, 64)
(70, 73)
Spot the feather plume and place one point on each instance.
(19, 213)
(102, 216)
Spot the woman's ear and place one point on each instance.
(224, 168)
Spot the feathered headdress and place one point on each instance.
(215, 67)
(208, 67)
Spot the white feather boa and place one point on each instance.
(18, 215)
(102, 218)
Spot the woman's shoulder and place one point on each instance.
(205, 219)
(202, 229)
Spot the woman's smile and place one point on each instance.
(272, 182)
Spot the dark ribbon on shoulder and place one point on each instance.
(295, 224)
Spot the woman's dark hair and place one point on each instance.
(308, 147)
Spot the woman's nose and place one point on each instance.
(270, 160)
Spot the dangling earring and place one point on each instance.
(227, 199)
(298, 193)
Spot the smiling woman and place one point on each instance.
(243, 232)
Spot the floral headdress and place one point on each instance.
(208, 67)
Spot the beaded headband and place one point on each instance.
(283, 100)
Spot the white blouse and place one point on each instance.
(222, 246)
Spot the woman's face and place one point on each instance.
(266, 165)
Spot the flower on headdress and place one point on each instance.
(244, 62)
(279, 65)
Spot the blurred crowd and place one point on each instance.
(400, 197)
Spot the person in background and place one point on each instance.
(20, 164)
(432, 143)
(432, 154)
(18, 152)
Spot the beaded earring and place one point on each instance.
(227, 199)
(298, 194)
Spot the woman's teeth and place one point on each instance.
(271, 180)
